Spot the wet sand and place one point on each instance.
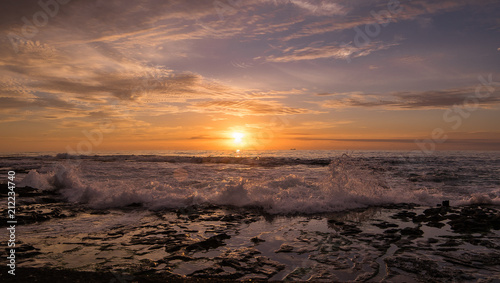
(58, 241)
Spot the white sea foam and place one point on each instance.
(342, 185)
(36, 180)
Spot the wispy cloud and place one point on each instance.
(320, 125)
(247, 107)
(335, 52)
(360, 14)
(141, 63)
(322, 8)
(410, 100)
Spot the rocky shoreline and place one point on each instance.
(59, 241)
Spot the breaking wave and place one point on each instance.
(344, 185)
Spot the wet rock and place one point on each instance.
(453, 216)
(334, 262)
(484, 243)
(99, 212)
(187, 211)
(413, 232)
(350, 230)
(175, 243)
(450, 243)
(176, 257)
(424, 269)
(404, 215)
(210, 272)
(210, 243)
(49, 200)
(297, 274)
(391, 231)
(36, 210)
(419, 218)
(434, 211)
(284, 248)
(391, 238)
(435, 224)
(193, 217)
(475, 219)
(481, 260)
(400, 206)
(257, 240)
(148, 262)
(26, 251)
(335, 222)
(231, 218)
(495, 221)
(211, 218)
(21, 192)
(239, 264)
(385, 225)
(435, 216)
(432, 240)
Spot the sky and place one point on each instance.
(85, 76)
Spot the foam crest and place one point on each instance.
(482, 198)
(35, 180)
(344, 186)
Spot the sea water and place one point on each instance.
(279, 182)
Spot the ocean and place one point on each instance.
(281, 215)
(278, 181)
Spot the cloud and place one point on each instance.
(332, 51)
(8, 103)
(95, 74)
(94, 86)
(96, 53)
(154, 22)
(438, 99)
(489, 143)
(357, 140)
(360, 13)
(341, 94)
(317, 125)
(39, 102)
(56, 78)
(321, 8)
(100, 83)
(246, 107)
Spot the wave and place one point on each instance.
(345, 186)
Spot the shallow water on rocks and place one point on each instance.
(374, 244)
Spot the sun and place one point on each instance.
(238, 137)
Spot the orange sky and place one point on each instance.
(301, 74)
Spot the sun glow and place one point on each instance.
(238, 137)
